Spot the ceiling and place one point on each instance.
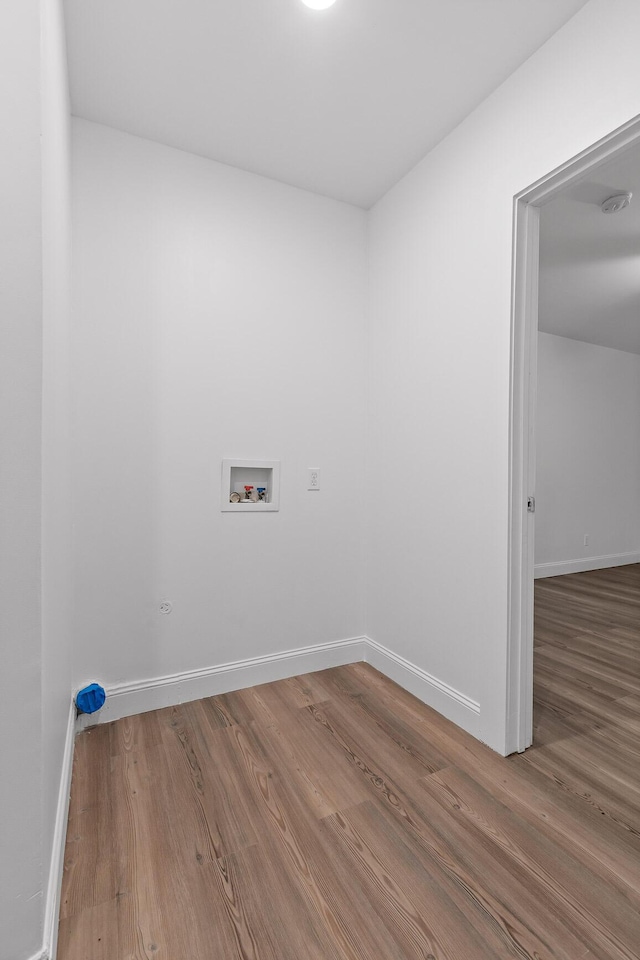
(590, 261)
(341, 102)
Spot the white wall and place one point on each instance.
(34, 517)
(57, 562)
(217, 314)
(587, 455)
(20, 396)
(441, 244)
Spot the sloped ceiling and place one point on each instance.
(341, 102)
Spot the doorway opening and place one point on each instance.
(524, 356)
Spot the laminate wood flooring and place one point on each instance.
(333, 816)
(587, 690)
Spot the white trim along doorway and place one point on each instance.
(523, 382)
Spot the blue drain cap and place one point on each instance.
(90, 698)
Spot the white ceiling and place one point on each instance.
(590, 261)
(341, 102)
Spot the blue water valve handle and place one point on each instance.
(90, 698)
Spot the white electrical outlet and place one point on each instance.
(313, 478)
(586, 540)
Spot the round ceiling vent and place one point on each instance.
(617, 203)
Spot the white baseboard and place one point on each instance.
(448, 701)
(52, 902)
(126, 699)
(584, 563)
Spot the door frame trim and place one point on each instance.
(522, 406)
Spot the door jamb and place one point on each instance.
(523, 385)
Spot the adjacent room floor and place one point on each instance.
(334, 817)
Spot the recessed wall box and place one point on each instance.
(250, 486)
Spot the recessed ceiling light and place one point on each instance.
(318, 4)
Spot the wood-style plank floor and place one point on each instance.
(333, 816)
